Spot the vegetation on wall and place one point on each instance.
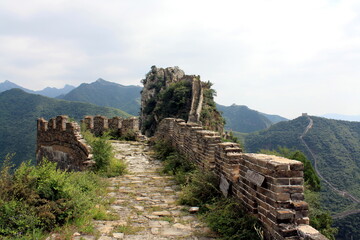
(173, 101)
(210, 117)
(105, 162)
(201, 188)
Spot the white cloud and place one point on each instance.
(277, 56)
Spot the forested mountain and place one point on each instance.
(336, 147)
(20, 110)
(48, 91)
(240, 118)
(108, 94)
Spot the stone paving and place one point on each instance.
(145, 203)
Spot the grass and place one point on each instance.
(225, 216)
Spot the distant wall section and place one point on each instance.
(100, 124)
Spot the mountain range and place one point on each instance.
(240, 118)
(19, 111)
(48, 91)
(107, 94)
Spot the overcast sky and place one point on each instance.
(276, 56)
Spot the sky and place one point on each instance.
(280, 57)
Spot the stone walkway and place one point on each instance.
(145, 202)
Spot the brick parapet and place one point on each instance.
(270, 187)
(100, 124)
(60, 141)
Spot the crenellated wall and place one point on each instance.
(60, 141)
(270, 187)
(100, 124)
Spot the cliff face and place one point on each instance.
(169, 92)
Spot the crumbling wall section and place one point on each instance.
(60, 141)
(270, 187)
(98, 125)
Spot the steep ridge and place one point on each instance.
(145, 202)
(342, 193)
(240, 118)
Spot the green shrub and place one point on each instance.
(202, 189)
(40, 198)
(105, 162)
(163, 149)
(130, 135)
(227, 217)
(102, 151)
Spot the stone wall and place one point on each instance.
(270, 187)
(60, 141)
(100, 124)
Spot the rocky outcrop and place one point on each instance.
(169, 92)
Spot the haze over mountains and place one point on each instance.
(48, 91)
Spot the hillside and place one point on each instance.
(19, 112)
(48, 91)
(336, 147)
(240, 118)
(335, 143)
(107, 94)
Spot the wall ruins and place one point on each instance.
(270, 187)
(60, 141)
(100, 124)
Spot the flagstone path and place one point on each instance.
(145, 203)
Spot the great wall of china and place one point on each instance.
(270, 187)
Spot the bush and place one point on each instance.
(201, 188)
(105, 162)
(41, 198)
(162, 150)
(227, 217)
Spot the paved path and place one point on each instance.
(145, 202)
